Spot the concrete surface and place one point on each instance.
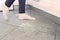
(40, 29)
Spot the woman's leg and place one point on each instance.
(22, 6)
(5, 8)
(8, 3)
(22, 14)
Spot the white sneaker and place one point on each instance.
(5, 10)
(25, 17)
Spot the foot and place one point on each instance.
(5, 10)
(5, 17)
(25, 17)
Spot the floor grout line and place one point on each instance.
(9, 24)
(55, 33)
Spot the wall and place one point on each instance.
(51, 6)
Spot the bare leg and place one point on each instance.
(5, 8)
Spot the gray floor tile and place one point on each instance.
(5, 29)
(39, 26)
(40, 29)
(25, 33)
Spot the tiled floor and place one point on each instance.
(40, 29)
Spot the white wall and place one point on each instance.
(51, 6)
